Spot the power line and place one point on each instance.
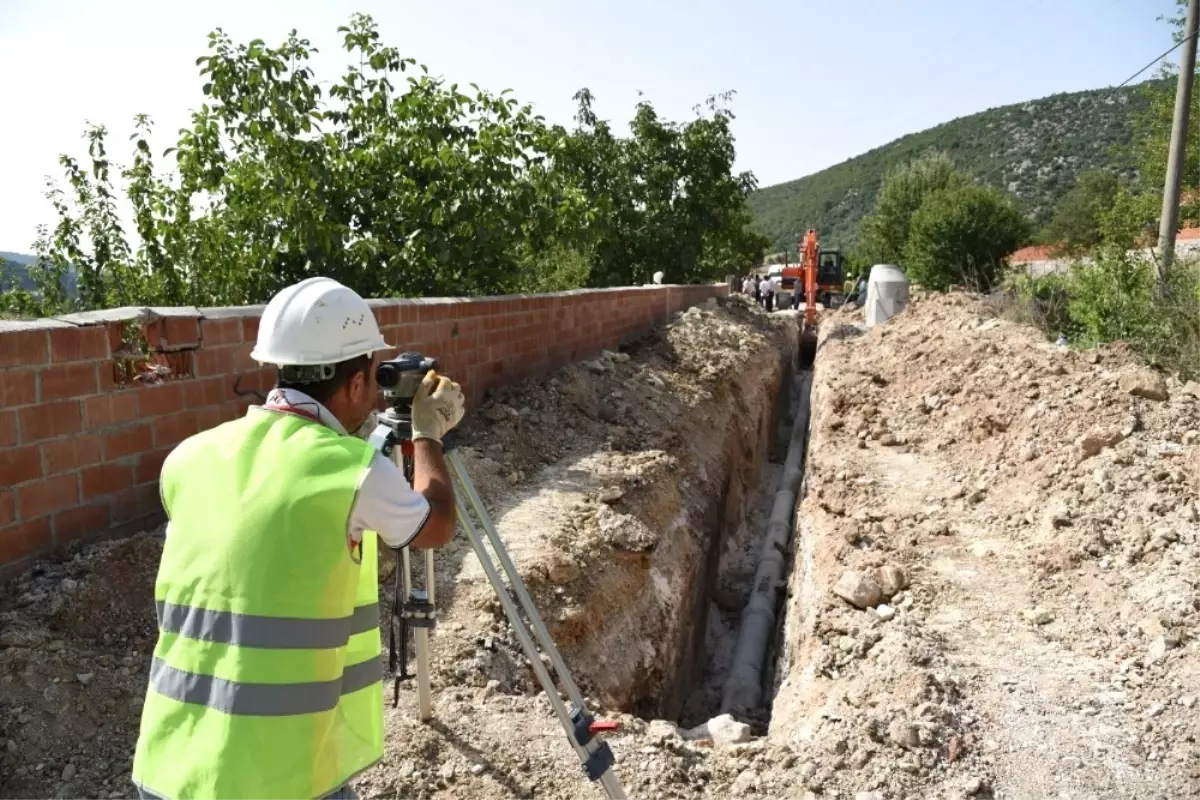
(1155, 61)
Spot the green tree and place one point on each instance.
(962, 235)
(886, 229)
(665, 198)
(1076, 223)
(393, 182)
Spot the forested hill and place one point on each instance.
(13, 272)
(1033, 149)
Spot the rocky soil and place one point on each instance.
(995, 591)
(996, 587)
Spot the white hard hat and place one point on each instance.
(316, 321)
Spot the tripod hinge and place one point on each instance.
(599, 761)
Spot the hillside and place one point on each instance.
(14, 272)
(1033, 149)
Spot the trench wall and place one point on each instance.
(92, 403)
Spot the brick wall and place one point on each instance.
(91, 403)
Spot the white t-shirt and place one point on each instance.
(385, 502)
(769, 285)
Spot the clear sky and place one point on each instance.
(817, 81)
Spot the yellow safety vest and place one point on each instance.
(267, 680)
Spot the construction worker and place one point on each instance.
(266, 681)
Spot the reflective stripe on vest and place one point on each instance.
(262, 699)
(266, 680)
(274, 633)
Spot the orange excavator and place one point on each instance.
(820, 274)
(817, 278)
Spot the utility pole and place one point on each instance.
(1177, 156)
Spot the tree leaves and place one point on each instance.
(423, 191)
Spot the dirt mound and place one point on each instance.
(997, 583)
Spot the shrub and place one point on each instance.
(962, 236)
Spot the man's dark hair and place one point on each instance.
(308, 380)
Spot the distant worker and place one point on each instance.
(859, 296)
(768, 293)
(748, 286)
(266, 680)
(757, 289)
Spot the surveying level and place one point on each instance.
(416, 608)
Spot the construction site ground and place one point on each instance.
(994, 590)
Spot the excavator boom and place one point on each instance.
(808, 260)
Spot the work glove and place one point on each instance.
(437, 407)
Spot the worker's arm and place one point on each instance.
(431, 480)
(437, 407)
(421, 515)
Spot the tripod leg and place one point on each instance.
(594, 754)
(514, 579)
(421, 637)
(424, 690)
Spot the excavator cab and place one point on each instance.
(830, 278)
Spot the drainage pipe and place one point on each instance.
(743, 688)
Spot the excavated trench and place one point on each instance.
(661, 568)
(734, 562)
(710, 576)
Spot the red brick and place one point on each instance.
(116, 336)
(18, 387)
(212, 416)
(149, 466)
(387, 315)
(208, 391)
(19, 464)
(24, 539)
(170, 431)
(250, 329)
(70, 454)
(215, 361)
(68, 380)
(233, 410)
(156, 401)
(80, 521)
(50, 494)
(8, 507)
(110, 409)
(216, 332)
(24, 348)
(129, 441)
(8, 428)
(105, 479)
(242, 361)
(136, 502)
(79, 344)
(48, 420)
(179, 332)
